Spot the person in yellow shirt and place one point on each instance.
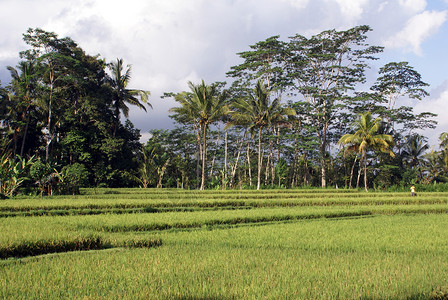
(412, 190)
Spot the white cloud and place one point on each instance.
(170, 42)
(417, 29)
(413, 5)
(436, 104)
(299, 4)
(382, 6)
(7, 55)
(352, 10)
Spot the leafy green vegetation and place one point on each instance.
(314, 244)
(65, 121)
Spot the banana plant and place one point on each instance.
(12, 173)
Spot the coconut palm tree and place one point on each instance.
(433, 166)
(23, 84)
(119, 81)
(202, 106)
(414, 150)
(366, 138)
(443, 138)
(257, 112)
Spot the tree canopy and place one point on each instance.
(289, 103)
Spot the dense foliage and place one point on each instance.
(276, 125)
(64, 108)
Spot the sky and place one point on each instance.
(171, 42)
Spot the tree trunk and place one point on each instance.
(117, 119)
(359, 172)
(365, 172)
(323, 173)
(204, 156)
(224, 184)
(323, 148)
(198, 155)
(268, 164)
(278, 156)
(306, 174)
(234, 167)
(161, 172)
(214, 155)
(49, 136)
(15, 137)
(292, 169)
(352, 171)
(259, 159)
(249, 166)
(22, 148)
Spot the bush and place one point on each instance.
(432, 187)
(41, 174)
(12, 174)
(74, 176)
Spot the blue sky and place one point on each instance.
(170, 42)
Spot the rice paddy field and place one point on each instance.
(236, 244)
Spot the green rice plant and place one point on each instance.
(145, 222)
(33, 248)
(232, 244)
(147, 203)
(382, 257)
(142, 243)
(439, 294)
(35, 228)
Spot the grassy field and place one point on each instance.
(174, 244)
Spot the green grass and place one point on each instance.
(147, 200)
(325, 245)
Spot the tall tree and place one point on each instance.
(23, 84)
(257, 112)
(443, 138)
(4, 113)
(324, 68)
(414, 150)
(73, 105)
(44, 51)
(202, 106)
(263, 62)
(365, 138)
(399, 79)
(119, 81)
(57, 63)
(434, 167)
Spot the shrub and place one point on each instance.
(44, 176)
(12, 174)
(74, 176)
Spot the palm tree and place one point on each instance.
(366, 138)
(122, 95)
(443, 138)
(23, 85)
(433, 166)
(413, 151)
(258, 112)
(202, 106)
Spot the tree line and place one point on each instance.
(296, 113)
